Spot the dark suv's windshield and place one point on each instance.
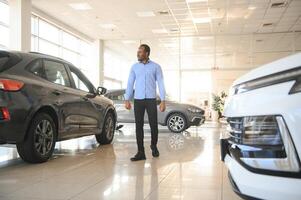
(7, 60)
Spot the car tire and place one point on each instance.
(177, 123)
(107, 134)
(39, 143)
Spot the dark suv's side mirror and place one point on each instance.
(101, 91)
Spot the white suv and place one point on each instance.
(262, 149)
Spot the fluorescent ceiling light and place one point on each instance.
(251, 8)
(159, 31)
(107, 26)
(201, 20)
(80, 6)
(145, 14)
(196, 1)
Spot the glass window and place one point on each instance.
(4, 13)
(71, 57)
(48, 48)
(52, 40)
(112, 84)
(4, 36)
(36, 68)
(70, 42)
(79, 84)
(48, 32)
(56, 73)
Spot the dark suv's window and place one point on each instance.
(56, 73)
(7, 60)
(36, 67)
(79, 83)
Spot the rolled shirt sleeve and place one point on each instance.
(130, 86)
(160, 82)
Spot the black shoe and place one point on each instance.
(139, 156)
(155, 151)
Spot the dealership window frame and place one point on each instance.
(4, 25)
(60, 45)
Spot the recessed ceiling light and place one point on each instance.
(201, 20)
(145, 14)
(174, 30)
(251, 8)
(107, 26)
(80, 6)
(267, 24)
(159, 31)
(278, 4)
(196, 1)
(164, 12)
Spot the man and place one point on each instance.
(144, 74)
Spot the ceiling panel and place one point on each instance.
(231, 28)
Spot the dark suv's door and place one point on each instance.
(66, 99)
(92, 112)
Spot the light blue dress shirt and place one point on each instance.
(144, 77)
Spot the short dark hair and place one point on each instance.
(146, 48)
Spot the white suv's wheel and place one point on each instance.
(176, 123)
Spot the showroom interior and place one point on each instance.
(204, 47)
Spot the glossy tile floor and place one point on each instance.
(188, 168)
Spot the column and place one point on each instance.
(20, 25)
(99, 46)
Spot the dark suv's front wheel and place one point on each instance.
(40, 140)
(107, 134)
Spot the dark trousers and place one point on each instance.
(150, 105)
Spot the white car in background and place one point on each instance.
(263, 148)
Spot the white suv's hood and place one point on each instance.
(271, 68)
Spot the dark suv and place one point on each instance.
(44, 99)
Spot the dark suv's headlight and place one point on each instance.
(263, 142)
(280, 77)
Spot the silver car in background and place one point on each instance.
(177, 117)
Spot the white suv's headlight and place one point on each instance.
(280, 77)
(263, 142)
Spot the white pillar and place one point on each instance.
(100, 57)
(20, 25)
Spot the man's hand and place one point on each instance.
(128, 105)
(162, 106)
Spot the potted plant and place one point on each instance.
(218, 105)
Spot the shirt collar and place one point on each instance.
(148, 61)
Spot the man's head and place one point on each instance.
(143, 52)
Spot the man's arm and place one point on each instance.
(160, 81)
(129, 89)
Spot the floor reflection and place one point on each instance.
(188, 168)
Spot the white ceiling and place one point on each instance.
(227, 17)
(234, 30)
